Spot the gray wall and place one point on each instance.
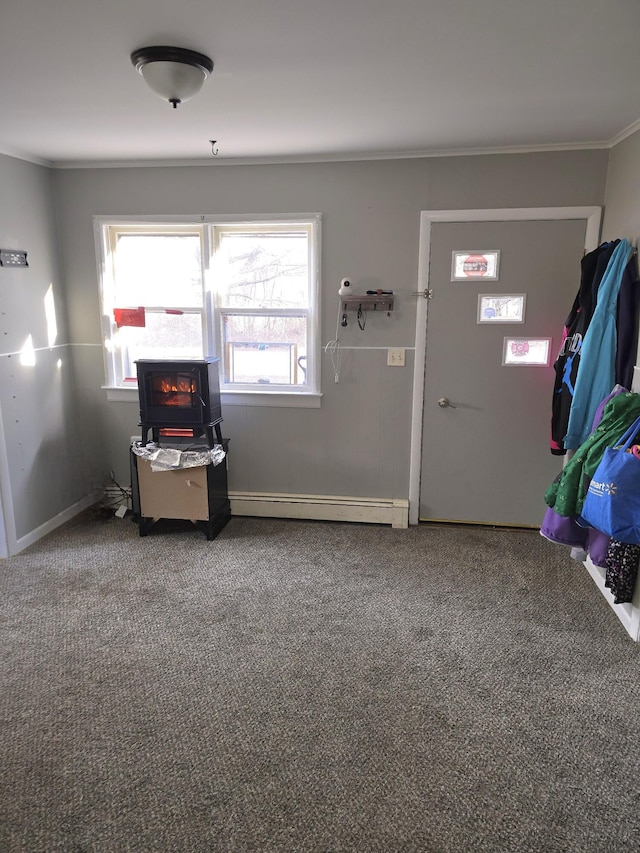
(43, 472)
(622, 197)
(62, 436)
(357, 443)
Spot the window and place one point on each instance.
(245, 291)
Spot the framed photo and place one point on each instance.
(526, 352)
(501, 307)
(475, 265)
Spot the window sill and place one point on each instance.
(233, 398)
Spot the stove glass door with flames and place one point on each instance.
(179, 390)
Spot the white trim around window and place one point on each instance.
(261, 316)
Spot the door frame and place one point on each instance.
(591, 214)
(7, 519)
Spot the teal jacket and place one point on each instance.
(567, 492)
(596, 374)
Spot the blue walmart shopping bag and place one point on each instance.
(612, 502)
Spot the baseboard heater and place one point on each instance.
(393, 511)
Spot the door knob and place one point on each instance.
(444, 403)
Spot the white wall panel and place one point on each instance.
(42, 473)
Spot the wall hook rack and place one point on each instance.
(366, 302)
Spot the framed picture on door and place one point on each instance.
(475, 265)
(523, 352)
(501, 307)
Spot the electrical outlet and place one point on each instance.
(395, 357)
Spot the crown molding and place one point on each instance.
(628, 131)
(329, 158)
(345, 157)
(28, 159)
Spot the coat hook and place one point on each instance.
(214, 151)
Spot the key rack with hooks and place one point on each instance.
(367, 302)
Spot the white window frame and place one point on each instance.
(105, 229)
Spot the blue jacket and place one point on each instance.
(596, 373)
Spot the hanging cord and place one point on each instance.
(362, 318)
(333, 347)
(115, 502)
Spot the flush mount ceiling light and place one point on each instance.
(174, 73)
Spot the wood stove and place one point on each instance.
(180, 404)
(179, 397)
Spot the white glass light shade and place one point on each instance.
(173, 81)
(174, 73)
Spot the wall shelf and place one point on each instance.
(366, 302)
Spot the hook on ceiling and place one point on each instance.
(214, 150)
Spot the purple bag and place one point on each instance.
(564, 530)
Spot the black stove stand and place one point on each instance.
(198, 431)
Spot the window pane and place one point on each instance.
(158, 269)
(164, 336)
(262, 270)
(257, 271)
(265, 350)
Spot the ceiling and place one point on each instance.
(298, 80)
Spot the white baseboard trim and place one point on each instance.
(57, 520)
(393, 511)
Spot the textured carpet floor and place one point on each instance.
(301, 686)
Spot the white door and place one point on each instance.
(485, 454)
